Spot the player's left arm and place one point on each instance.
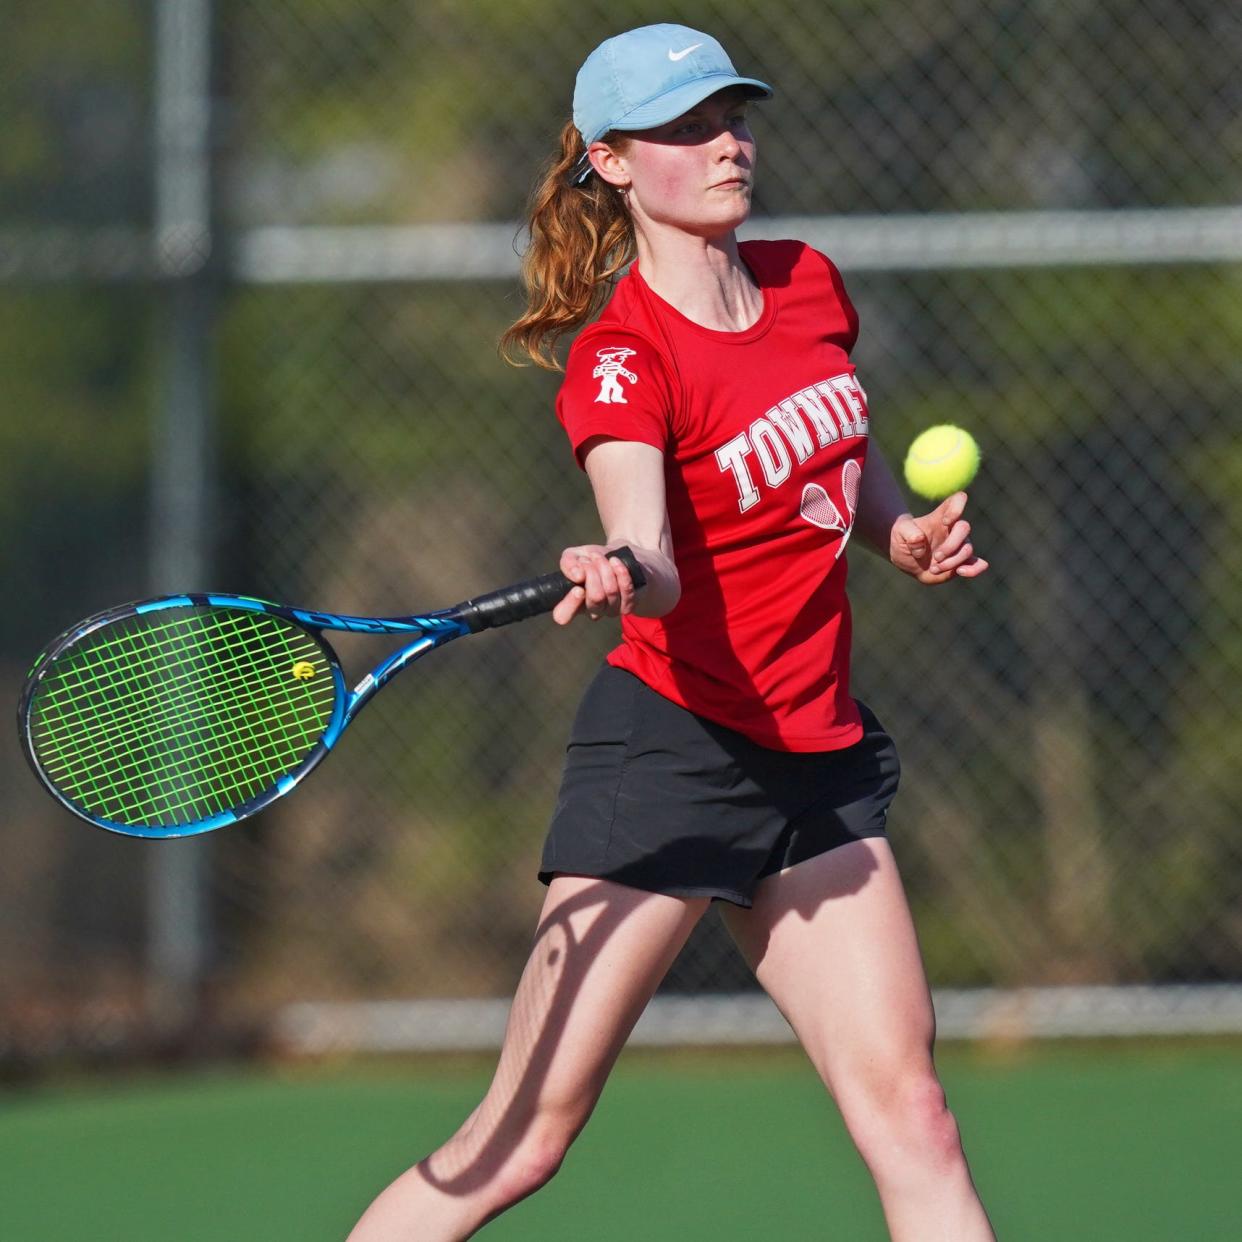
(933, 548)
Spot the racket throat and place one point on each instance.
(366, 689)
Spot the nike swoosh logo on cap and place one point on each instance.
(683, 53)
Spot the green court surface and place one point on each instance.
(1094, 1142)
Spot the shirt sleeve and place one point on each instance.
(843, 305)
(616, 384)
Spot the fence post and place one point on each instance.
(183, 456)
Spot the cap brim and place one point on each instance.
(670, 105)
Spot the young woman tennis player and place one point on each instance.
(718, 754)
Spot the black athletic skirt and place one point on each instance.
(660, 799)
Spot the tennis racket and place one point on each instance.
(173, 716)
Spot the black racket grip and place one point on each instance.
(532, 597)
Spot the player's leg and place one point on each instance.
(600, 951)
(832, 941)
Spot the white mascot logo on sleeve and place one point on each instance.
(610, 369)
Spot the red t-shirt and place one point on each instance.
(764, 434)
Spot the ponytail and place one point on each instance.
(581, 236)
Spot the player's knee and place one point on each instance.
(538, 1156)
(926, 1115)
(529, 1168)
(905, 1110)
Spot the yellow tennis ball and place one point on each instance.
(941, 461)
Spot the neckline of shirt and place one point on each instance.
(743, 337)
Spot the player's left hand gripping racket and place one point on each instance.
(177, 715)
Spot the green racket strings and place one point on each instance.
(165, 719)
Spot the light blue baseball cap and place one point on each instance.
(650, 76)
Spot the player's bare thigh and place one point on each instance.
(833, 942)
(600, 951)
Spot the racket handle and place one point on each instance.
(532, 597)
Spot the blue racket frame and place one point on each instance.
(428, 631)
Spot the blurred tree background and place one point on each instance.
(1068, 725)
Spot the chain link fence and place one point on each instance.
(1071, 805)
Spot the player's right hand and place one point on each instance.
(605, 588)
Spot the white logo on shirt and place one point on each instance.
(816, 418)
(683, 53)
(817, 506)
(611, 367)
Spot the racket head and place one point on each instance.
(174, 716)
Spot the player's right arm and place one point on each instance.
(627, 478)
(616, 405)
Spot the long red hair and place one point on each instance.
(581, 236)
